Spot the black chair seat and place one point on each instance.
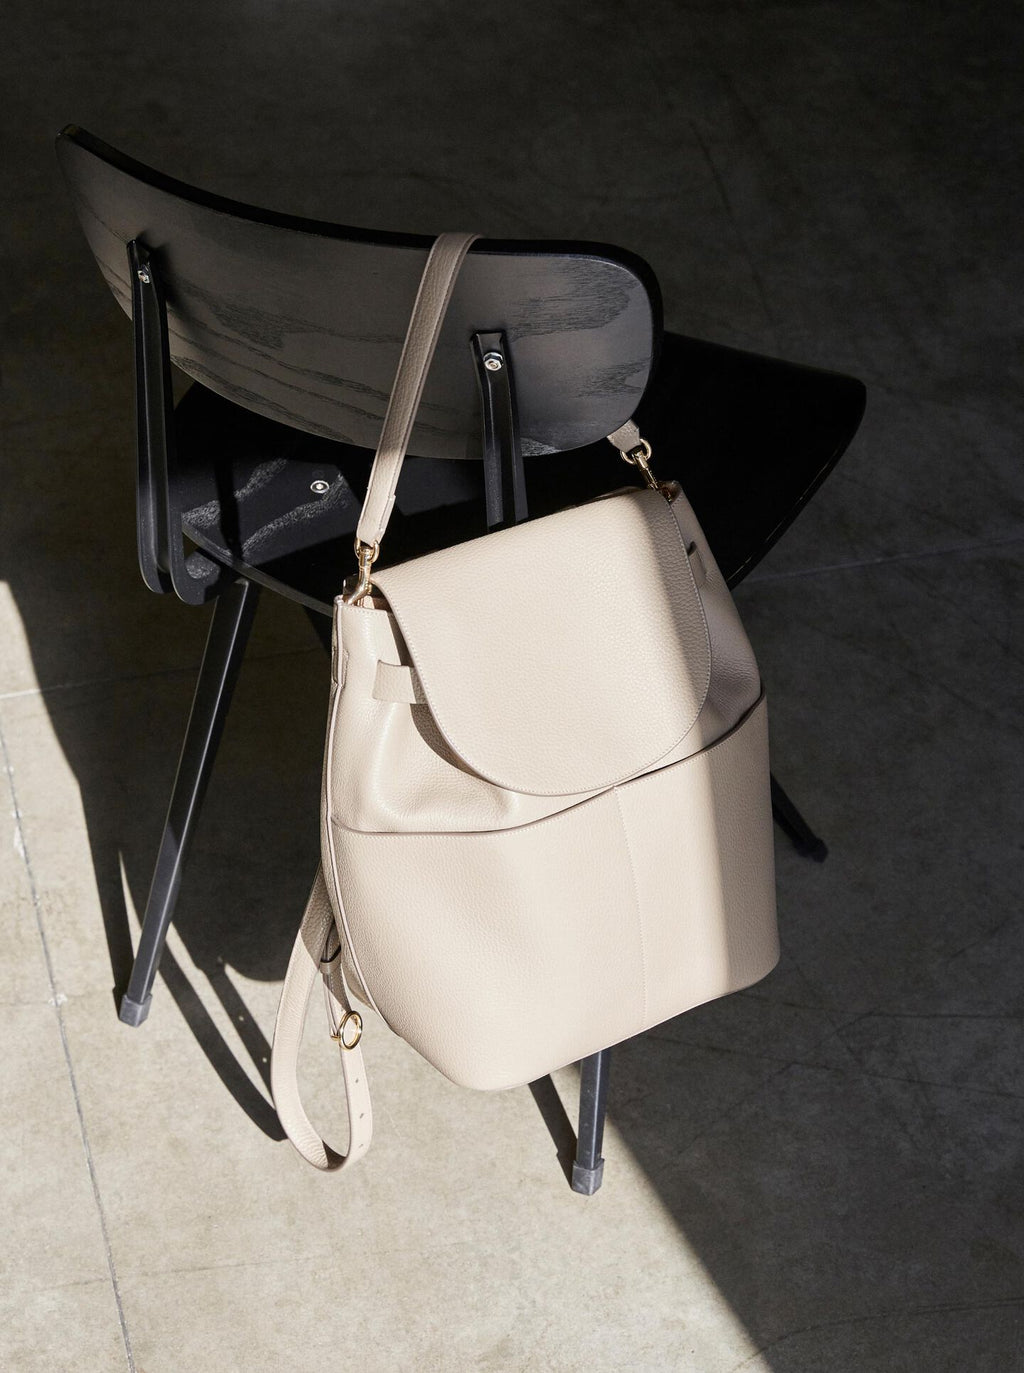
(281, 505)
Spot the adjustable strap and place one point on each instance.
(317, 952)
(436, 285)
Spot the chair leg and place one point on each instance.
(233, 613)
(792, 823)
(588, 1165)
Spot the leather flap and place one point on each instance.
(563, 655)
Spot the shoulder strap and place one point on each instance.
(317, 950)
(436, 284)
(312, 952)
(432, 298)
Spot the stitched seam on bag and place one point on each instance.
(704, 620)
(639, 910)
(344, 929)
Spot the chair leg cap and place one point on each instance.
(134, 1012)
(586, 1181)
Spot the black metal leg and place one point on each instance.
(504, 477)
(792, 823)
(588, 1166)
(225, 645)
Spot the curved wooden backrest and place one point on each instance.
(303, 322)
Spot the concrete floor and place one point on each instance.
(824, 1173)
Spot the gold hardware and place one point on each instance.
(640, 456)
(357, 1024)
(367, 555)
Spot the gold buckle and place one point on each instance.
(357, 1024)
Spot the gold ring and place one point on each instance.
(639, 455)
(357, 1024)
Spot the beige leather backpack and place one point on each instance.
(546, 819)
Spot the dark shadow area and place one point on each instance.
(556, 1118)
(221, 1057)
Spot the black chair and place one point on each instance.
(291, 329)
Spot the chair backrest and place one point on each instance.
(303, 321)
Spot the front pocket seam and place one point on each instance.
(639, 910)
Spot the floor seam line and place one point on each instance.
(189, 670)
(885, 560)
(57, 1001)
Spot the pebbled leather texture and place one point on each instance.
(417, 771)
(503, 954)
(562, 655)
(546, 809)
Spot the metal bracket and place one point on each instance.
(504, 479)
(158, 520)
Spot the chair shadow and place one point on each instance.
(109, 874)
(556, 1118)
(219, 1053)
(253, 856)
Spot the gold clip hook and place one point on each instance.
(640, 456)
(367, 555)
